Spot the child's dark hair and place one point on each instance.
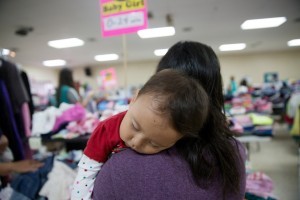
(179, 98)
(214, 151)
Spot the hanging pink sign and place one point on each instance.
(123, 16)
(109, 78)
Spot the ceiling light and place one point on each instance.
(232, 47)
(263, 23)
(65, 43)
(160, 52)
(295, 42)
(54, 63)
(156, 32)
(106, 57)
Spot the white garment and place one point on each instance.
(6, 193)
(59, 181)
(84, 183)
(242, 89)
(44, 121)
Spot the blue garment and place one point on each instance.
(29, 184)
(18, 196)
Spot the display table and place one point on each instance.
(247, 139)
(77, 143)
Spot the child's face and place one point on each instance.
(143, 130)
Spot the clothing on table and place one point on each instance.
(29, 184)
(104, 141)
(260, 184)
(44, 121)
(59, 181)
(165, 175)
(9, 193)
(75, 113)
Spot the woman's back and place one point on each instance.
(166, 175)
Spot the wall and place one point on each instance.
(42, 74)
(287, 64)
(137, 73)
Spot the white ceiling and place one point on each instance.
(213, 22)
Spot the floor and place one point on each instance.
(278, 159)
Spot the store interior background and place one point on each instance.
(213, 22)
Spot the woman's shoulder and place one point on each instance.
(65, 87)
(239, 147)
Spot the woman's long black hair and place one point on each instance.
(65, 78)
(214, 150)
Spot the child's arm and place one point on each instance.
(84, 182)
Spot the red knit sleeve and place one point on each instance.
(97, 147)
(104, 138)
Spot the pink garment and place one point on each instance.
(26, 119)
(74, 113)
(236, 127)
(259, 184)
(243, 120)
(237, 101)
(237, 110)
(262, 105)
(84, 126)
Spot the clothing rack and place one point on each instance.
(15, 112)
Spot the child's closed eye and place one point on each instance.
(154, 145)
(134, 127)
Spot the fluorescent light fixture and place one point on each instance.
(263, 23)
(54, 63)
(106, 57)
(232, 47)
(295, 42)
(157, 32)
(160, 52)
(65, 43)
